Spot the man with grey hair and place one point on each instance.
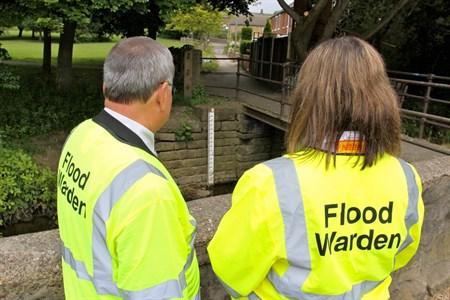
(125, 228)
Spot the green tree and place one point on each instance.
(36, 14)
(201, 21)
(246, 33)
(129, 17)
(73, 13)
(412, 44)
(268, 29)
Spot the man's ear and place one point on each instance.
(162, 96)
(103, 88)
(156, 98)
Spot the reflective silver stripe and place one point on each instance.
(77, 266)
(296, 239)
(102, 260)
(102, 277)
(171, 288)
(412, 213)
(253, 296)
(165, 290)
(291, 206)
(198, 296)
(229, 290)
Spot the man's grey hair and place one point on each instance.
(135, 68)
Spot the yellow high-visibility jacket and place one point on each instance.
(125, 229)
(298, 231)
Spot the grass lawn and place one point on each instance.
(30, 50)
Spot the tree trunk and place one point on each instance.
(321, 24)
(300, 6)
(303, 31)
(152, 31)
(154, 21)
(333, 20)
(20, 27)
(47, 56)
(33, 34)
(65, 52)
(301, 45)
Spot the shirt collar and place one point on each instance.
(142, 132)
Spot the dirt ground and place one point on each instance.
(47, 148)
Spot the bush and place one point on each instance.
(245, 47)
(4, 54)
(170, 34)
(246, 33)
(39, 108)
(8, 80)
(26, 189)
(209, 66)
(268, 29)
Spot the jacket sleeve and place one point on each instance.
(150, 241)
(242, 250)
(414, 232)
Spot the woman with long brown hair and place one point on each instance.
(334, 217)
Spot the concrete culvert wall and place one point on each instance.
(239, 143)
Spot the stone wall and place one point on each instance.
(240, 143)
(429, 271)
(30, 263)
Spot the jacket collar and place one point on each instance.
(349, 143)
(120, 131)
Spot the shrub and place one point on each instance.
(38, 107)
(26, 189)
(4, 54)
(209, 66)
(245, 47)
(246, 33)
(199, 95)
(268, 29)
(8, 80)
(184, 133)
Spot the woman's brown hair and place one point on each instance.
(343, 85)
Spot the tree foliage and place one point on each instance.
(415, 45)
(234, 7)
(200, 20)
(246, 33)
(317, 20)
(268, 29)
(126, 17)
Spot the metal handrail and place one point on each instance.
(423, 117)
(427, 116)
(433, 76)
(426, 81)
(422, 83)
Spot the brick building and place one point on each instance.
(281, 23)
